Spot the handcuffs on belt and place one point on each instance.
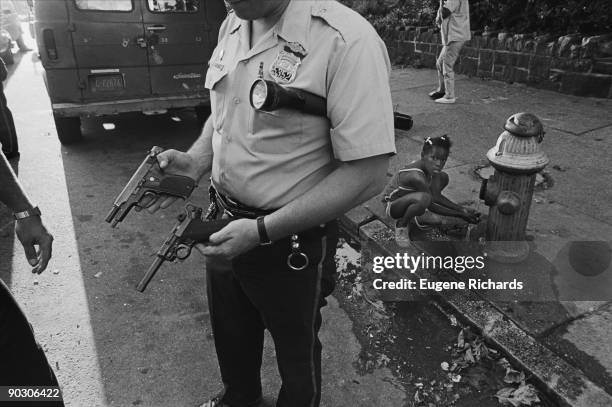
(296, 255)
(297, 260)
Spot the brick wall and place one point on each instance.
(571, 64)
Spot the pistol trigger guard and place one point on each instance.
(183, 251)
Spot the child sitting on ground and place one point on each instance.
(415, 193)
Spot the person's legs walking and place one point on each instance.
(439, 92)
(440, 69)
(450, 57)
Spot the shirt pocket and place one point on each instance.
(215, 83)
(276, 132)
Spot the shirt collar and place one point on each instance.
(293, 25)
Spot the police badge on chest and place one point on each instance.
(284, 68)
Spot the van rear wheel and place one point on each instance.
(68, 129)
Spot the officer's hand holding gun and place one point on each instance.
(189, 230)
(148, 183)
(175, 162)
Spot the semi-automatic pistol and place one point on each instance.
(189, 230)
(149, 179)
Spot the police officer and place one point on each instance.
(23, 362)
(285, 176)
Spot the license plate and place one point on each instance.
(106, 83)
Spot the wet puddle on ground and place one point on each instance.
(438, 360)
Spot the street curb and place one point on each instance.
(565, 383)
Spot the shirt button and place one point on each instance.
(236, 100)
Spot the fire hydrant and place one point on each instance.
(516, 157)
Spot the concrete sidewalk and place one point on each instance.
(565, 344)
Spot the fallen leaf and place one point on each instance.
(505, 395)
(383, 360)
(417, 398)
(514, 376)
(469, 357)
(461, 340)
(503, 362)
(444, 366)
(527, 394)
(524, 395)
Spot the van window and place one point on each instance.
(105, 5)
(174, 6)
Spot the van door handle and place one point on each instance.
(156, 28)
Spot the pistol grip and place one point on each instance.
(177, 185)
(199, 231)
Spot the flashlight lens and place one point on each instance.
(259, 94)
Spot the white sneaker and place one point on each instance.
(402, 236)
(446, 100)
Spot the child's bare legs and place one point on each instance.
(408, 206)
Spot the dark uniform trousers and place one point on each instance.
(22, 361)
(258, 291)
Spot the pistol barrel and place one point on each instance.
(112, 213)
(146, 279)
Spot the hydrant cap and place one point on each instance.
(525, 124)
(518, 148)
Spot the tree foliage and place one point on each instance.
(556, 17)
(543, 16)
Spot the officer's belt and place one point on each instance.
(235, 208)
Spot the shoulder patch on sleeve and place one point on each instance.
(347, 22)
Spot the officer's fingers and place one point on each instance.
(165, 158)
(201, 248)
(147, 200)
(30, 253)
(45, 254)
(220, 236)
(167, 202)
(209, 250)
(154, 207)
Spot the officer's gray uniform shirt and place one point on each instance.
(267, 159)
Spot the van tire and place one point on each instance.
(202, 113)
(68, 129)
